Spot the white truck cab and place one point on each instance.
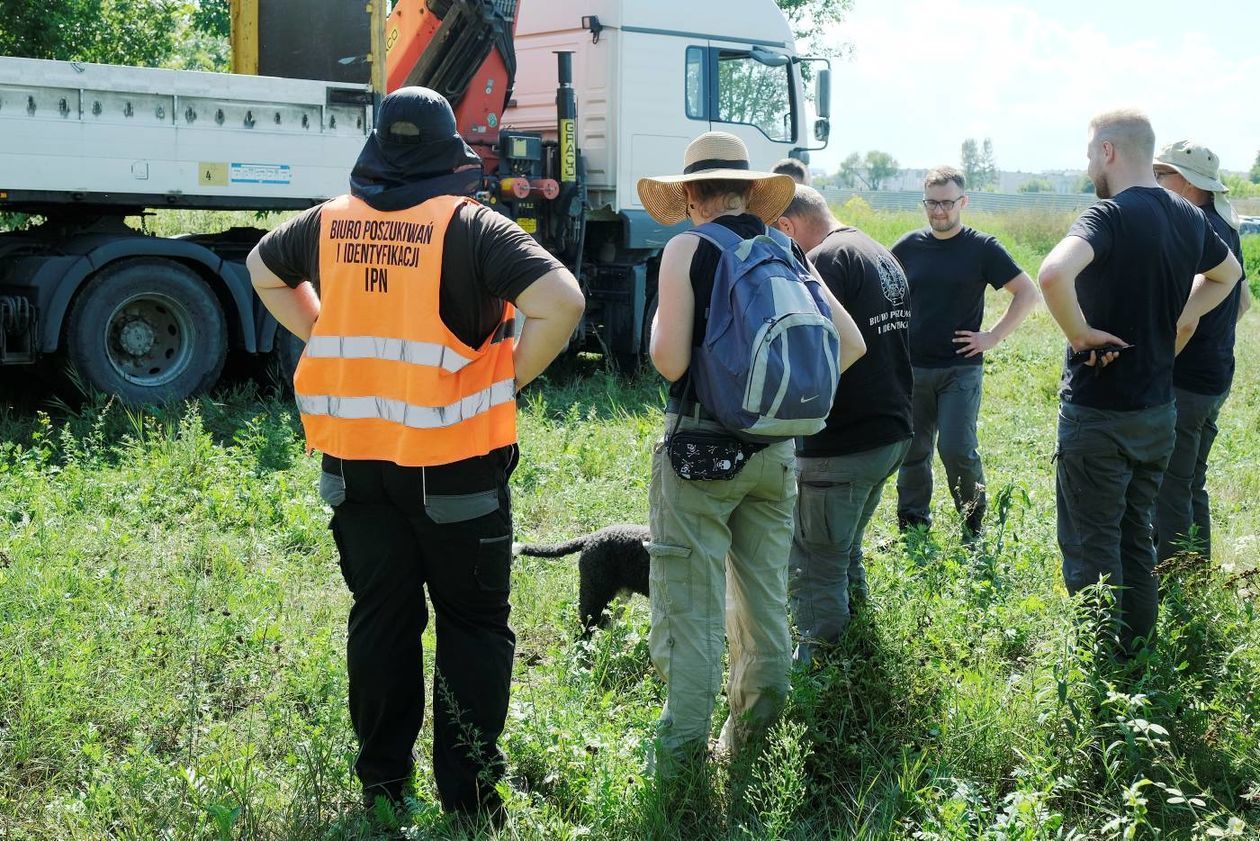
(650, 75)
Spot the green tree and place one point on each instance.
(988, 166)
(809, 17)
(212, 17)
(206, 41)
(850, 174)
(137, 32)
(1036, 185)
(977, 164)
(1255, 170)
(970, 162)
(1240, 187)
(1084, 185)
(879, 166)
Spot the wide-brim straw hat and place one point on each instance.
(1201, 167)
(716, 154)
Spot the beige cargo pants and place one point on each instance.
(719, 557)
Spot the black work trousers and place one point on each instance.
(400, 530)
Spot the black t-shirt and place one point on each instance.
(1148, 245)
(486, 259)
(703, 267)
(947, 279)
(872, 407)
(1206, 364)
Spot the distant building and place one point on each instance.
(1061, 181)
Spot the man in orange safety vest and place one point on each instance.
(406, 293)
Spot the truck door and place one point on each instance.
(751, 95)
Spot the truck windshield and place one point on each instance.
(753, 92)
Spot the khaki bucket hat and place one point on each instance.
(1201, 167)
(716, 154)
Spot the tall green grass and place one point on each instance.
(173, 623)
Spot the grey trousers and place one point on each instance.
(836, 497)
(946, 401)
(1109, 466)
(1183, 496)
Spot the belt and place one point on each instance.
(689, 408)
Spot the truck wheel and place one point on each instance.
(633, 362)
(149, 331)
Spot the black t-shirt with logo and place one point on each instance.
(873, 402)
(1148, 245)
(486, 259)
(947, 280)
(1206, 364)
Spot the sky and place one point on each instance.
(926, 74)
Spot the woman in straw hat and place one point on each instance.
(1204, 370)
(714, 538)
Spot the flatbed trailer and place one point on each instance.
(84, 146)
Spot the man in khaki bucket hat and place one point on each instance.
(1205, 366)
(1199, 167)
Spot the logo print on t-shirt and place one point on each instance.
(892, 280)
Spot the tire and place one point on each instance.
(632, 363)
(148, 331)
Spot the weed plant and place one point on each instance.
(174, 628)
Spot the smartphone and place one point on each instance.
(1083, 355)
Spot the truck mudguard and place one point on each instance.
(203, 260)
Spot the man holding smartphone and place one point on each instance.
(1119, 285)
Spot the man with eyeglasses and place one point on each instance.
(948, 266)
(1204, 369)
(1127, 285)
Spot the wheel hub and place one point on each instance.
(136, 337)
(149, 339)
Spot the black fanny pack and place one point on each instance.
(702, 453)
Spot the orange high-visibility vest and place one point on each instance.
(382, 377)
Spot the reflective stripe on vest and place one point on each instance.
(382, 378)
(405, 414)
(398, 350)
(379, 347)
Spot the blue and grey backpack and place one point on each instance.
(769, 363)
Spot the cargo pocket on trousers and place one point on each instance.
(332, 488)
(459, 508)
(815, 504)
(670, 574)
(493, 569)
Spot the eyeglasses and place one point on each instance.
(946, 205)
(1161, 174)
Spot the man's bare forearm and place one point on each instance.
(1023, 301)
(1064, 307)
(552, 307)
(295, 309)
(540, 343)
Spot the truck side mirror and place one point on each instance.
(822, 97)
(822, 129)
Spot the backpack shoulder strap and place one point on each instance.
(785, 242)
(719, 236)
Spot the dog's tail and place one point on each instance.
(550, 550)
